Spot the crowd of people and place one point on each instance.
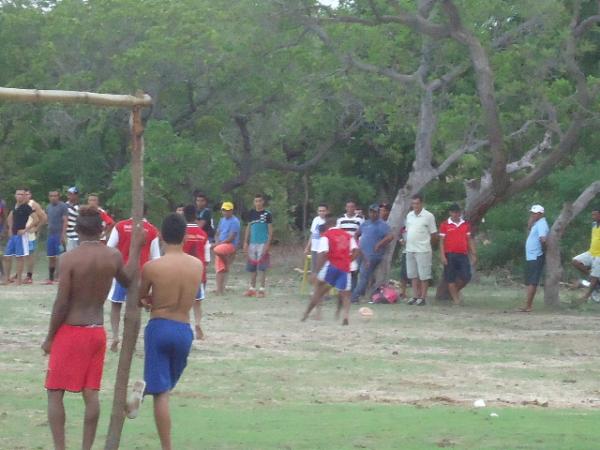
(99, 257)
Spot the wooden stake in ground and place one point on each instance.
(131, 327)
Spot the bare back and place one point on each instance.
(86, 275)
(174, 280)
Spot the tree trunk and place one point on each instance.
(131, 324)
(554, 269)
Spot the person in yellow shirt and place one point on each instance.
(588, 262)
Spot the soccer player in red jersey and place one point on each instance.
(120, 238)
(337, 250)
(196, 244)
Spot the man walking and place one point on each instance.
(257, 243)
(420, 231)
(456, 245)
(58, 217)
(538, 230)
(588, 263)
(227, 241)
(374, 236)
(76, 340)
(73, 205)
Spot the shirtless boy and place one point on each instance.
(76, 339)
(173, 280)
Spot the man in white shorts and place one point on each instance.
(588, 262)
(420, 231)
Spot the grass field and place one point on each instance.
(405, 379)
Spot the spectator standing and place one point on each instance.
(312, 246)
(420, 231)
(257, 243)
(58, 217)
(226, 244)
(73, 205)
(538, 230)
(350, 222)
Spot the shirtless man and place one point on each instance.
(42, 219)
(173, 280)
(76, 339)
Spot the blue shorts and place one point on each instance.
(200, 294)
(17, 246)
(54, 245)
(167, 344)
(119, 293)
(32, 246)
(335, 277)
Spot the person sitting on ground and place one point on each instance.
(257, 243)
(456, 245)
(76, 340)
(374, 236)
(588, 263)
(538, 229)
(168, 290)
(196, 244)
(227, 241)
(337, 250)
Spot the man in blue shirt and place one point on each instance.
(534, 253)
(374, 235)
(227, 241)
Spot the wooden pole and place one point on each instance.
(131, 327)
(90, 98)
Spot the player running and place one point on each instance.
(337, 250)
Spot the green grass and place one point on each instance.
(405, 379)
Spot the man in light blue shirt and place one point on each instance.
(534, 253)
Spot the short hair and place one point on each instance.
(173, 229)
(51, 191)
(323, 205)
(417, 197)
(454, 207)
(259, 196)
(189, 212)
(89, 222)
(26, 189)
(351, 201)
(180, 205)
(596, 208)
(93, 194)
(200, 195)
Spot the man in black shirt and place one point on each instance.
(18, 243)
(204, 215)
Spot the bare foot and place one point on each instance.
(524, 310)
(114, 347)
(199, 333)
(135, 400)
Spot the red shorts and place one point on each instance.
(76, 358)
(222, 252)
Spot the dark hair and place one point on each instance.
(89, 222)
(173, 229)
(189, 212)
(385, 206)
(259, 196)
(351, 201)
(200, 195)
(454, 207)
(323, 205)
(596, 208)
(180, 205)
(417, 197)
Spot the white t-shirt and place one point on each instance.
(315, 233)
(419, 229)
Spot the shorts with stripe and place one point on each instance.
(17, 246)
(335, 277)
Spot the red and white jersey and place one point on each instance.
(120, 238)
(338, 244)
(107, 221)
(196, 243)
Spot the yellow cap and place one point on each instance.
(227, 206)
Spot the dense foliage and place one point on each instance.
(248, 100)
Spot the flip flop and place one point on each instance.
(135, 400)
(524, 310)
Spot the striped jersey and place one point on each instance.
(72, 219)
(350, 224)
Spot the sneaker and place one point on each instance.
(420, 302)
(250, 293)
(261, 294)
(412, 301)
